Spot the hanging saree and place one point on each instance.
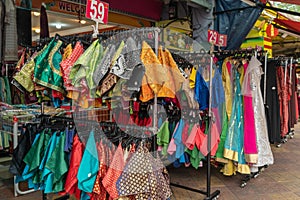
(265, 156)
(250, 146)
(235, 137)
(226, 78)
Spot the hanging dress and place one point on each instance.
(265, 156)
(154, 75)
(235, 137)
(250, 146)
(272, 101)
(71, 183)
(10, 44)
(87, 173)
(220, 151)
(173, 77)
(47, 70)
(67, 64)
(25, 75)
(282, 86)
(227, 83)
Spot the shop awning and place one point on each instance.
(289, 1)
(289, 24)
(149, 9)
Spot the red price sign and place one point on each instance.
(97, 11)
(213, 37)
(222, 41)
(217, 39)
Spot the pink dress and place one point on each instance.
(250, 147)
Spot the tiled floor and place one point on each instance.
(279, 181)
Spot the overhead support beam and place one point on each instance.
(285, 30)
(258, 5)
(289, 1)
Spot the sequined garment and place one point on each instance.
(265, 156)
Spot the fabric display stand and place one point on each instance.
(12, 119)
(138, 106)
(210, 143)
(244, 144)
(281, 99)
(104, 69)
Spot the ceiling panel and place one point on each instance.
(69, 24)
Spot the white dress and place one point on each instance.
(265, 155)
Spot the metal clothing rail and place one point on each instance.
(17, 190)
(216, 193)
(157, 31)
(14, 121)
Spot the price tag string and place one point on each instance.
(95, 30)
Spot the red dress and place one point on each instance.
(71, 181)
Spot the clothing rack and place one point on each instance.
(15, 122)
(216, 193)
(247, 53)
(153, 34)
(285, 63)
(156, 31)
(240, 53)
(288, 63)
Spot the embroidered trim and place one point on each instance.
(51, 54)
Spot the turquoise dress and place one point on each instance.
(33, 159)
(89, 166)
(235, 136)
(46, 178)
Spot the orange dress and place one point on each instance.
(162, 76)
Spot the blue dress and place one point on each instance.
(235, 136)
(202, 90)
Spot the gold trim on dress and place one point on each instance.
(251, 158)
(231, 155)
(222, 160)
(243, 169)
(54, 87)
(51, 54)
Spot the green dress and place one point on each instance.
(85, 66)
(220, 151)
(47, 69)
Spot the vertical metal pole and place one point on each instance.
(265, 77)
(291, 69)
(285, 71)
(15, 144)
(156, 31)
(209, 131)
(6, 70)
(44, 195)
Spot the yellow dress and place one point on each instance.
(151, 82)
(173, 79)
(227, 86)
(162, 76)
